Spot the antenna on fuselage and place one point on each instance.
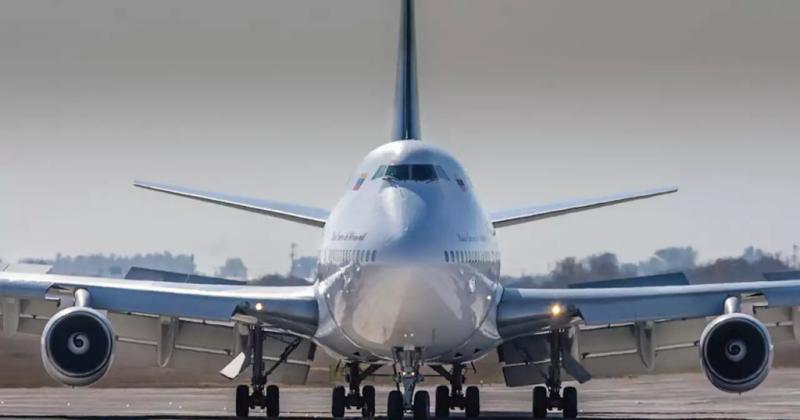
(406, 99)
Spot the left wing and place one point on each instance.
(610, 332)
(512, 217)
(521, 311)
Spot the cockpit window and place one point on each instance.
(380, 172)
(442, 174)
(423, 173)
(399, 172)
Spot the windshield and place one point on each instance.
(420, 173)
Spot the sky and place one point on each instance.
(541, 100)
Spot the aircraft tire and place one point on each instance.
(368, 408)
(242, 401)
(539, 402)
(422, 405)
(338, 401)
(273, 399)
(472, 409)
(394, 407)
(570, 401)
(442, 402)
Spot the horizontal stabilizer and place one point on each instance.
(512, 217)
(782, 275)
(669, 279)
(287, 211)
(149, 274)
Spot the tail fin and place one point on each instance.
(406, 99)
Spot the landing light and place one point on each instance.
(556, 310)
(259, 306)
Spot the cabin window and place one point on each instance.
(446, 257)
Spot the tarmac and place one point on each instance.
(656, 397)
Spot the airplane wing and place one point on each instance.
(631, 330)
(517, 216)
(204, 323)
(287, 211)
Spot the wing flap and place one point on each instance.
(293, 212)
(517, 216)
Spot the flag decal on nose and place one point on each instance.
(360, 181)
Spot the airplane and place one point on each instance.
(408, 276)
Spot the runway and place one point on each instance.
(657, 397)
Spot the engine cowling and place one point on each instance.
(736, 352)
(77, 346)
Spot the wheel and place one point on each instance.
(442, 402)
(394, 407)
(422, 405)
(473, 402)
(539, 402)
(570, 400)
(368, 409)
(242, 401)
(273, 402)
(338, 402)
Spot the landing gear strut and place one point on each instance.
(551, 396)
(409, 360)
(446, 400)
(263, 396)
(358, 397)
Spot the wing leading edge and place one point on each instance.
(291, 309)
(293, 212)
(517, 216)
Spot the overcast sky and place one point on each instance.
(541, 101)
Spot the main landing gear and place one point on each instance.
(551, 396)
(362, 398)
(446, 400)
(263, 396)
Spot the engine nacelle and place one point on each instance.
(736, 352)
(77, 346)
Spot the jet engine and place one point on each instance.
(77, 346)
(736, 352)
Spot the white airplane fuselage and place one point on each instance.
(408, 260)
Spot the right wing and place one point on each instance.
(292, 212)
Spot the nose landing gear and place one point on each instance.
(419, 403)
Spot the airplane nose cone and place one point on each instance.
(410, 227)
(434, 307)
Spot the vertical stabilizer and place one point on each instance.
(406, 100)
